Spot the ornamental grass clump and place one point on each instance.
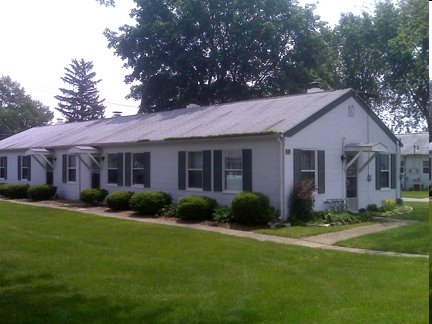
(301, 202)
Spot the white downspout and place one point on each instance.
(282, 179)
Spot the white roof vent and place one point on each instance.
(192, 106)
(314, 87)
(60, 121)
(117, 113)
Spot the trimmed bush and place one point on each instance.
(92, 196)
(119, 200)
(149, 202)
(196, 208)
(3, 187)
(41, 192)
(16, 191)
(251, 208)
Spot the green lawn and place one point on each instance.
(306, 231)
(66, 267)
(415, 194)
(412, 238)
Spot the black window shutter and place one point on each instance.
(297, 166)
(147, 170)
(28, 157)
(393, 170)
(120, 169)
(182, 170)
(321, 172)
(5, 167)
(217, 170)
(19, 167)
(64, 168)
(378, 172)
(247, 169)
(207, 170)
(128, 169)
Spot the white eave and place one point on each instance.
(366, 147)
(84, 149)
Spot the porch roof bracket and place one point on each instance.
(353, 160)
(81, 159)
(368, 161)
(40, 163)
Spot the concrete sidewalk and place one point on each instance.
(323, 241)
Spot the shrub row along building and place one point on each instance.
(266, 145)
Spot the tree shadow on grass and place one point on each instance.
(39, 298)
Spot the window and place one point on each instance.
(195, 170)
(233, 170)
(113, 163)
(138, 168)
(308, 165)
(426, 167)
(385, 171)
(3, 167)
(402, 167)
(24, 165)
(71, 168)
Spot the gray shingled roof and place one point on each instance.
(420, 140)
(279, 114)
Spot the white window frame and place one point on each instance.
(3, 167)
(71, 168)
(138, 169)
(425, 167)
(388, 171)
(227, 170)
(190, 169)
(110, 168)
(314, 170)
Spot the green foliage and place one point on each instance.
(15, 191)
(430, 190)
(3, 187)
(331, 217)
(41, 192)
(251, 208)
(93, 196)
(149, 202)
(119, 200)
(238, 49)
(301, 202)
(169, 211)
(82, 101)
(372, 208)
(18, 111)
(223, 214)
(196, 208)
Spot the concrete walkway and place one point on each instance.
(323, 241)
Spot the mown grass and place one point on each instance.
(66, 267)
(415, 194)
(411, 238)
(306, 231)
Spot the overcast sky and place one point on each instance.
(39, 38)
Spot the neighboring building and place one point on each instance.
(263, 145)
(415, 164)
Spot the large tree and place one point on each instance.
(81, 102)
(18, 111)
(216, 51)
(384, 57)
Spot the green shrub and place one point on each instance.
(251, 208)
(16, 191)
(41, 192)
(119, 200)
(93, 196)
(301, 202)
(3, 187)
(149, 202)
(372, 208)
(196, 208)
(430, 190)
(223, 214)
(169, 211)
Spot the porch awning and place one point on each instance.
(42, 153)
(360, 148)
(366, 147)
(84, 149)
(89, 150)
(39, 151)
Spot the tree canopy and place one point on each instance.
(209, 52)
(18, 111)
(81, 102)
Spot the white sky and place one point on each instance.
(39, 38)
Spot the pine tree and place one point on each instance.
(82, 101)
